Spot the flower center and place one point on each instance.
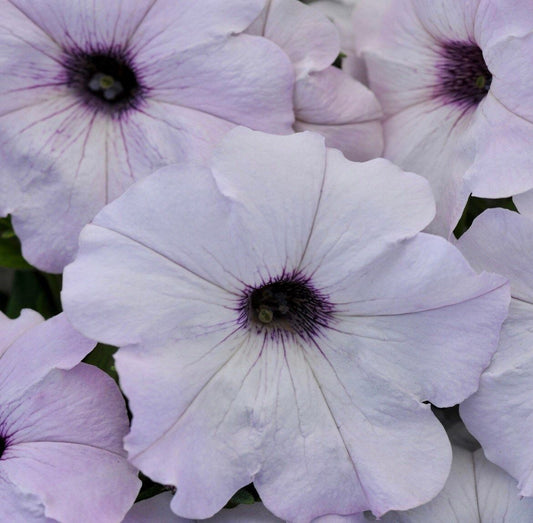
(287, 305)
(464, 77)
(105, 80)
(3, 446)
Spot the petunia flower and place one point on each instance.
(500, 414)
(452, 77)
(157, 509)
(95, 95)
(477, 491)
(282, 322)
(61, 428)
(326, 99)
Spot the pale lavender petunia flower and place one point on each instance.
(453, 77)
(500, 414)
(97, 94)
(61, 428)
(326, 100)
(282, 323)
(477, 491)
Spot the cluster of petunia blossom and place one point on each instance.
(264, 227)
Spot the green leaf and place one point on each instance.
(34, 290)
(102, 357)
(10, 251)
(245, 496)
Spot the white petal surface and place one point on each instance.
(19, 507)
(524, 203)
(434, 141)
(499, 414)
(345, 230)
(502, 241)
(501, 168)
(353, 431)
(310, 40)
(245, 80)
(217, 418)
(341, 109)
(456, 503)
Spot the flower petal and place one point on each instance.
(57, 474)
(310, 40)
(52, 344)
(341, 109)
(246, 80)
(351, 197)
(92, 411)
(17, 506)
(502, 241)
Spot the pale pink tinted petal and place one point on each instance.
(502, 241)
(446, 19)
(434, 141)
(246, 80)
(341, 109)
(53, 157)
(498, 497)
(499, 415)
(340, 15)
(158, 134)
(352, 195)
(524, 203)
(397, 47)
(367, 20)
(13, 329)
(169, 27)
(92, 411)
(308, 37)
(72, 24)
(50, 344)
(496, 22)
(456, 503)
(19, 507)
(501, 168)
(364, 428)
(75, 482)
(508, 62)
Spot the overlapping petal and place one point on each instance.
(476, 491)
(499, 414)
(61, 427)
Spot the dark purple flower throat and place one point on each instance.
(288, 305)
(106, 80)
(464, 78)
